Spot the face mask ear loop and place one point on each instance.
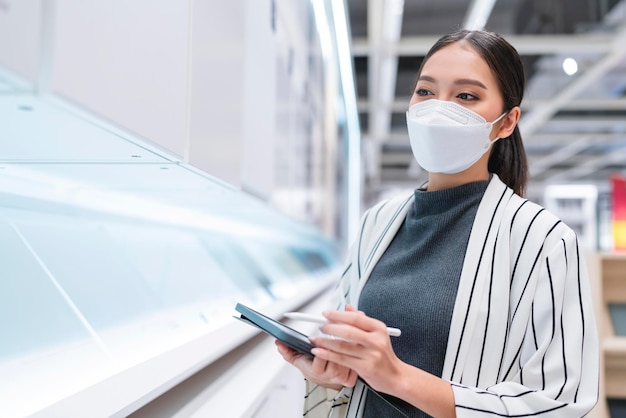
(498, 119)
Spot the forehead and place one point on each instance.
(456, 61)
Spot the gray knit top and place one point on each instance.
(413, 286)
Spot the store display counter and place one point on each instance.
(121, 265)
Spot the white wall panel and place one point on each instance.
(217, 88)
(127, 61)
(20, 35)
(237, 89)
(259, 110)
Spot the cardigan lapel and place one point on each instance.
(382, 234)
(476, 272)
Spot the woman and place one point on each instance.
(490, 290)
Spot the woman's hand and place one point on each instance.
(357, 345)
(361, 344)
(319, 371)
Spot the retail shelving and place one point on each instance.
(608, 273)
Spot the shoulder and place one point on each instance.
(529, 221)
(378, 219)
(387, 211)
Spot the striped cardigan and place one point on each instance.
(523, 338)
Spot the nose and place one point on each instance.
(443, 96)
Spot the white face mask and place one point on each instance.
(447, 137)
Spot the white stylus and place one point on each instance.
(394, 332)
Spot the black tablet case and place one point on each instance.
(288, 336)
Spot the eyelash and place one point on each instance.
(471, 96)
(467, 96)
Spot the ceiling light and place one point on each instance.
(570, 66)
(478, 14)
(396, 7)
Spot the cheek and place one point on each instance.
(490, 113)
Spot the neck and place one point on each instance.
(440, 181)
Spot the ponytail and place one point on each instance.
(508, 160)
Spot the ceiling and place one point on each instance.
(574, 126)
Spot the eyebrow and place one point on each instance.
(460, 81)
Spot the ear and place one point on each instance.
(509, 122)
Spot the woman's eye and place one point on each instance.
(467, 96)
(422, 92)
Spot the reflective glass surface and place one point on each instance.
(113, 253)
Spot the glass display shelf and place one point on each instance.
(85, 297)
(5, 86)
(164, 193)
(123, 272)
(34, 129)
(11, 84)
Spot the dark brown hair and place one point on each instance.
(508, 157)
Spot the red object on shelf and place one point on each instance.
(618, 184)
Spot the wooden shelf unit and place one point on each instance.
(608, 279)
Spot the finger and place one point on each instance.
(331, 356)
(338, 345)
(318, 366)
(339, 374)
(351, 379)
(356, 319)
(330, 372)
(287, 353)
(337, 333)
(298, 360)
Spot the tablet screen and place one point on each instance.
(289, 336)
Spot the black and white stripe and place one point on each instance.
(523, 340)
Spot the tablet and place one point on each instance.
(288, 336)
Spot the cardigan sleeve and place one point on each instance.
(557, 362)
(346, 291)
(320, 402)
(376, 219)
